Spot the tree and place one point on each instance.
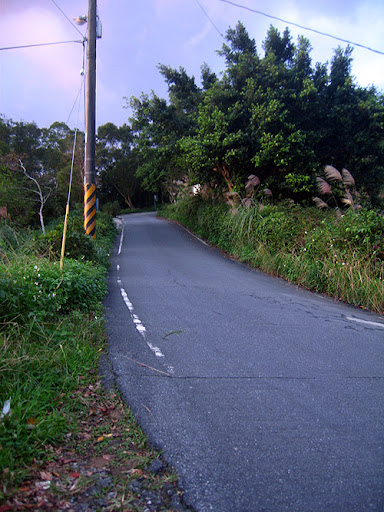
(117, 162)
(276, 116)
(39, 161)
(12, 194)
(42, 193)
(158, 128)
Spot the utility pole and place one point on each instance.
(90, 125)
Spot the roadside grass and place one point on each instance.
(65, 441)
(40, 365)
(338, 255)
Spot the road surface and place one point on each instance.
(262, 396)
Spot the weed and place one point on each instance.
(342, 256)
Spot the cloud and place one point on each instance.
(200, 36)
(49, 66)
(163, 7)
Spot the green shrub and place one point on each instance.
(37, 288)
(78, 245)
(342, 256)
(112, 208)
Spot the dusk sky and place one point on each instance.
(41, 84)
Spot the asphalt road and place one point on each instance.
(264, 397)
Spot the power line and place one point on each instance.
(81, 87)
(206, 14)
(302, 27)
(77, 97)
(66, 17)
(40, 44)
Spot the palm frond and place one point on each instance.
(323, 186)
(332, 173)
(319, 203)
(348, 179)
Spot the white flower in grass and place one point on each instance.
(6, 409)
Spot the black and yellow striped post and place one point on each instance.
(90, 125)
(90, 209)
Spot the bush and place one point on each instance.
(51, 331)
(37, 288)
(78, 245)
(112, 208)
(342, 257)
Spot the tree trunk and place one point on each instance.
(224, 171)
(42, 218)
(128, 201)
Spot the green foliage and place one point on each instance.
(40, 365)
(112, 208)
(299, 183)
(12, 195)
(275, 116)
(37, 288)
(365, 231)
(342, 257)
(50, 337)
(79, 245)
(46, 155)
(34, 286)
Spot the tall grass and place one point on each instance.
(340, 256)
(51, 332)
(40, 365)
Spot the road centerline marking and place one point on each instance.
(137, 322)
(121, 241)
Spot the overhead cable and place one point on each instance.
(77, 97)
(40, 44)
(206, 14)
(66, 17)
(302, 27)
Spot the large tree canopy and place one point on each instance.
(275, 115)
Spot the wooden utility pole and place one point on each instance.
(90, 125)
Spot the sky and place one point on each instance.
(44, 84)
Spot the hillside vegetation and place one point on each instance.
(339, 255)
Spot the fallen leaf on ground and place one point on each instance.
(46, 475)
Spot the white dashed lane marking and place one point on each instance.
(121, 241)
(137, 322)
(135, 319)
